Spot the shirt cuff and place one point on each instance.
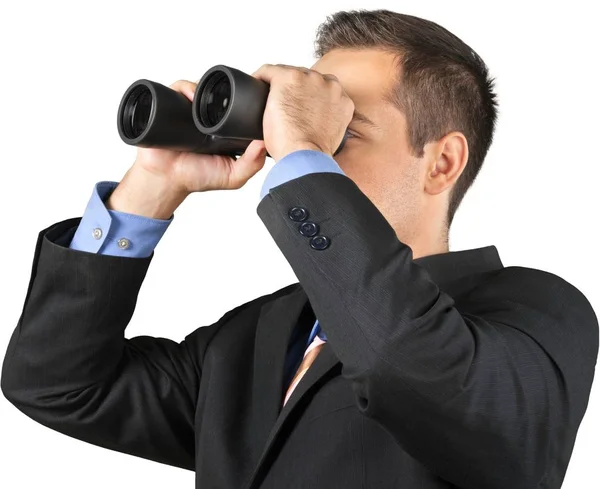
(298, 164)
(109, 232)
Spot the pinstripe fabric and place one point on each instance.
(442, 372)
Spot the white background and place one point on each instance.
(65, 66)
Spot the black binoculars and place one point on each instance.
(224, 117)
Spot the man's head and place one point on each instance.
(433, 111)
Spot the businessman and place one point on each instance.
(392, 363)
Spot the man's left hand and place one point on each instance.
(305, 110)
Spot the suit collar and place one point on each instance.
(291, 309)
(445, 267)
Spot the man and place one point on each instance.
(393, 363)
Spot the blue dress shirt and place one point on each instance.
(110, 232)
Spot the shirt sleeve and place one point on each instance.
(297, 164)
(109, 232)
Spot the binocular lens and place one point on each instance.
(223, 117)
(215, 99)
(136, 113)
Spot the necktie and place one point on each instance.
(309, 357)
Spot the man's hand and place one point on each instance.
(305, 110)
(161, 179)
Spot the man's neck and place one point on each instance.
(427, 241)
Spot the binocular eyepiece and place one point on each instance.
(224, 117)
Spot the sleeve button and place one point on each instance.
(123, 243)
(308, 228)
(319, 242)
(298, 214)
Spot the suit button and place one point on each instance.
(298, 214)
(319, 242)
(308, 228)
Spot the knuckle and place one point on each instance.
(262, 68)
(336, 86)
(180, 84)
(176, 84)
(296, 75)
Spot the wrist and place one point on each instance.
(297, 146)
(146, 194)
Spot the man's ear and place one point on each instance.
(448, 158)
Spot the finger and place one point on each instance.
(329, 76)
(186, 87)
(297, 68)
(256, 150)
(267, 72)
(247, 165)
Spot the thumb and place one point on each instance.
(247, 165)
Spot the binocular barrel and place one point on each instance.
(225, 115)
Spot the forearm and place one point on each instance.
(71, 332)
(111, 232)
(69, 366)
(145, 194)
(418, 366)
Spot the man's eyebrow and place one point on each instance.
(360, 117)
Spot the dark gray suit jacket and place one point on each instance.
(446, 371)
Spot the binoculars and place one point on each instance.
(224, 117)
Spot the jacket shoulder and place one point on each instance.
(544, 295)
(557, 293)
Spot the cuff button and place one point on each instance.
(298, 214)
(123, 243)
(308, 228)
(319, 242)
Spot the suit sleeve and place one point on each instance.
(492, 398)
(69, 367)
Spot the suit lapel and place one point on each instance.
(274, 329)
(275, 326)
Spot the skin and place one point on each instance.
(411, 193)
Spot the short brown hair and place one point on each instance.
(444, 85)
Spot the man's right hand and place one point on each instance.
(160, 179)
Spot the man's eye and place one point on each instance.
(350, 134)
